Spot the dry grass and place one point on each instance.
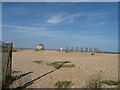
(95, 82)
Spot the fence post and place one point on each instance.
(11, 45)
(67, 49)
(86, 50)
(92, 52)
(81, 49)
(9, 61)
(76, 49)
(72, 49)
(96, 50)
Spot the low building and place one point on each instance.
(40, 47)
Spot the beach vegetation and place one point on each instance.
(109, 82)
(39, 62)
(63, 84)
(57, 64)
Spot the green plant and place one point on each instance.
(63, 84)
(71, 65)
(59, 63)
(109, 82)
(39, 62)
(56, 64)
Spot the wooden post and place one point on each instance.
(92, 52)
(81, 50)
(4, 63)
(11, 45)
(96, 49)
(86, 50)
(76, 49)
(72, 49)
(67, 49)
(9, 61)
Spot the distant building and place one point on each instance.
(40, 47)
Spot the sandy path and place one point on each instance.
(87, 66)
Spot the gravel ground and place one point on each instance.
(87, 66)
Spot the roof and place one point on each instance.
(40, 44)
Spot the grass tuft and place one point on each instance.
(59, 63)
(39, 62)
(63, 84)
(71, 66)
(109, 82)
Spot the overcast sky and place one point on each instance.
(59, 25)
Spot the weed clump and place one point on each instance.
(59, 63)
(109, 82)
(63, 84)
(39, 62)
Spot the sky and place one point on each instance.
(60, 0)
(61, 24)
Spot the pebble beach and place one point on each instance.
(87, 67)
